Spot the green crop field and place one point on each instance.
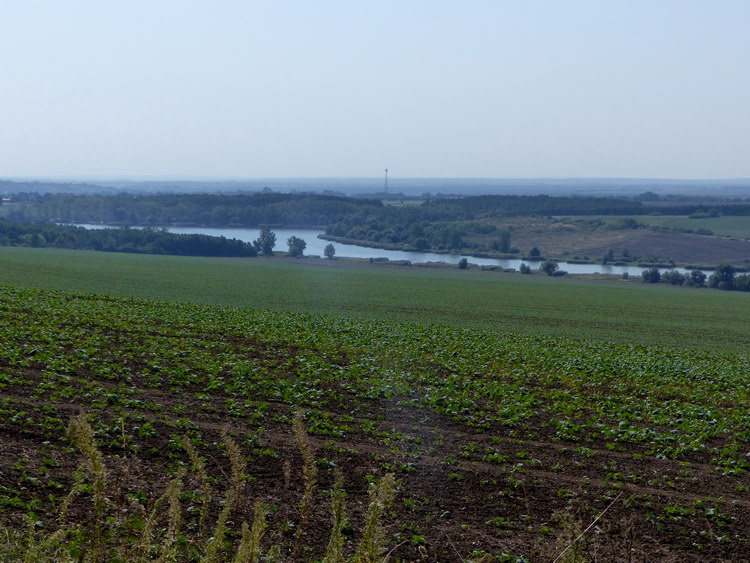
(453, 415)
(610, 310)
(502, 444)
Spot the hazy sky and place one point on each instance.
(426, 88)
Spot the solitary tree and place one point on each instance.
(329, 251)
(265, 242)
(504, 241)
(534, 253)
(296, 246)
(463, 264)
(549, 267)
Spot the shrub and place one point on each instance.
(549, 267)
(723, 277)
(696, 278)
(651, 275)
(673, 277)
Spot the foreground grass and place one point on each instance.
(609, 310)
(157, 531)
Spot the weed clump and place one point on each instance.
(160, 533)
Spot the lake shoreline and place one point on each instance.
(346, 248)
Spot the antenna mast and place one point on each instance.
(386, 180)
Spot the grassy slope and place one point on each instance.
(628, 312)
(729, 225)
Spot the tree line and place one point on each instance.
(725, 277)
(141, 241)
(205, 210)
(147, 240)
(315, 210)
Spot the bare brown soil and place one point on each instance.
(565, 240)
(452, 500)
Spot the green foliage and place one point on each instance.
(723, 277)
(504, 243)
(697, 278)
(452, 383)
(491, 301)
(549, 267)
(107, 355)
(673, 277)
(373, 544)
(209, 210)
(140, 241)
(329, 251)
(296, 246)
(652, 275)
(265, 243)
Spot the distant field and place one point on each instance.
(612, 310)
(733, 226)
(727, 225)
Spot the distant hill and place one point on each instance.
(411, 187)
(13, 187)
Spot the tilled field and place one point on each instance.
(505, 446)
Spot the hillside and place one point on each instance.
(502, 443)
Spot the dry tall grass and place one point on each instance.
(107, 534)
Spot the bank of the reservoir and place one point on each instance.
(317, 240)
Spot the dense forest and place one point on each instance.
(208, 210)
(142, 241)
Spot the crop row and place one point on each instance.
(525, 407)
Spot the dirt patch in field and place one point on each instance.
(461, 490)
(564, 240)
(682, 248)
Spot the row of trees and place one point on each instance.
(144, 241)
(266, 242)
(724, 277)
(255, 209)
